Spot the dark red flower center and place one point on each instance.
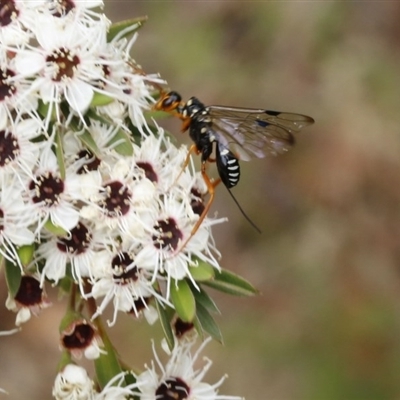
(120, 265)
(80, 338)
(117, 199)
(173, 389)
(29, 292)
(62, 7)
(181, 327)
(65, 63)
(8, 12)
(168, 234)
(196, 201)
(47, 188)
(1, 220)
(148, 171)
(91, 162)
(77, 242)
(9, 148)
(7, 89)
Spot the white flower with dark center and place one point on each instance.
(67, 65)
(124, 200)
(16, 217)
(160, 161)
(117, 389)
(18, 154)
(178, 380)
(81, 338)
(128, 83)
(53, 196)
(118, 279)
(161, 250)
(78, 249)
(73, 383)
(83, 168)
(16, 18)
(29, 300)
(76, 9)
(15, 95)
(134, 91)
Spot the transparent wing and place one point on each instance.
(250, 133)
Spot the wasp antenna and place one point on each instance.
(244, 214)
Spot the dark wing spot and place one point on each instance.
(273, 113)
(261, 123)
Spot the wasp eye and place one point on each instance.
(171, 99)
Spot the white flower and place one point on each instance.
(178, 379)
(29, 300)
(161, 249)
(67, 65)
(160, 161)
(73, 383)
(82, 338)
(16, 217)
(52, 196)
(123, 200)
(18, 154)
(117, 279)
(78, 249)
(16, 96)
(116, 389)
(129, 84)
(16, 18)
(81, 9)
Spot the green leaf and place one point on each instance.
(65, 359)
(44, 108)
(55, 229)
(124, 144)
(228, 282)
(207, 323)
(86, 138)
(101, 99)
(60, 153)
(25, 253)
(165, 313)
(13, 277)
(125, 28)
(202, 271)
(130, 379)
(202, 297)
(92, 114)
(107, 365)
(156, 114)
(64, 286)
(183, 300)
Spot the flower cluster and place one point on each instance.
(178, 379)
(94, 197)
(114, 192)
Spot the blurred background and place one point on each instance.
(327, 323)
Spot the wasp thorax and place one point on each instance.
(194, 106)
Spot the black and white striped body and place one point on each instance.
(204, 137)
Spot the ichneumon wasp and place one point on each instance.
(231, 134)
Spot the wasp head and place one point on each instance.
(168, 102)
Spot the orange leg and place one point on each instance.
(211, 191)
(192, 149)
